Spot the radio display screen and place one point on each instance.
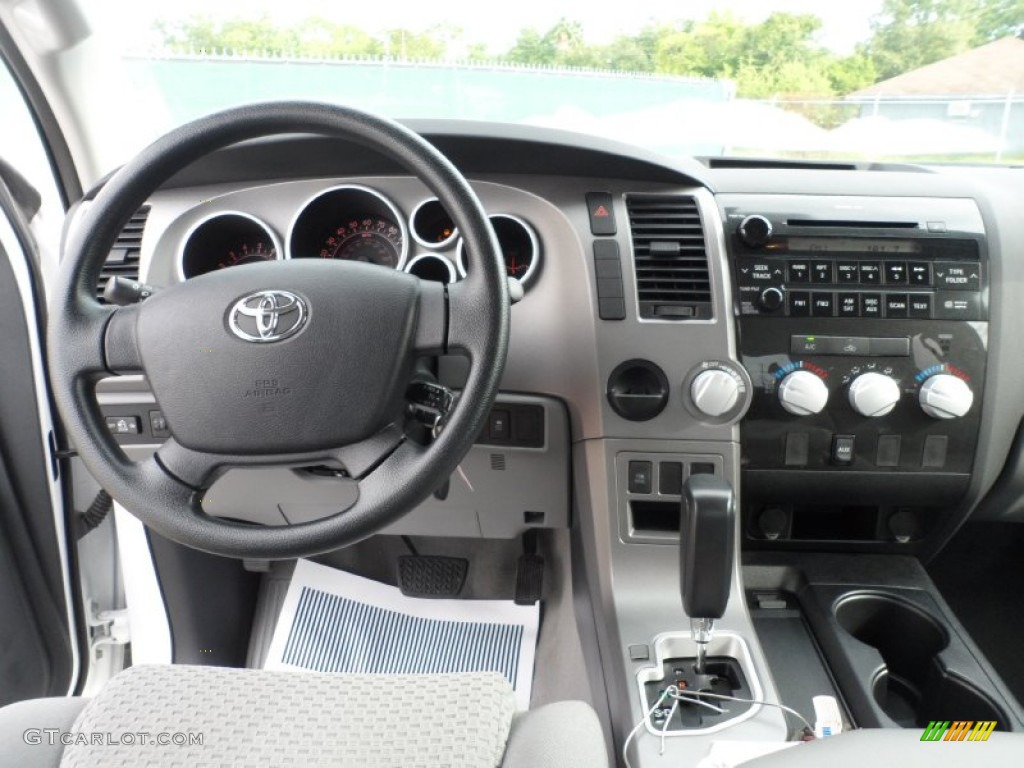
(852, 245)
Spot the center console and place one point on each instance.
(862, 324)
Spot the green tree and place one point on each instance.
(908, 34)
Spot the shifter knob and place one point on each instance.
(707, 545)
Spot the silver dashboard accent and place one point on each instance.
(180, 261)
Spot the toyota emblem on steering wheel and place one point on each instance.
(267, 316)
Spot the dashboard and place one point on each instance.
(838, 341)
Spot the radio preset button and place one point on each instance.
(847, 273)
(896, 272)
(870, 273)
(799, 271)
(920, 273)
(821, 272)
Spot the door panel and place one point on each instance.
(37, 656)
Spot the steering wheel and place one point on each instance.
(285, 363)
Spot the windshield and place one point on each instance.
(906, 80)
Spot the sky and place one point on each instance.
(497, 22)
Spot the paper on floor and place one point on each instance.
(333, 621)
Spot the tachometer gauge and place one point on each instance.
(226, 240)
(372, 239)
(351, 223)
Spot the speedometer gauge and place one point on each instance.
(352, 223)
(372, 239)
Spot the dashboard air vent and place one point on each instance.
(123, 260)
(670, 257)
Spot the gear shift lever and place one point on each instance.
(706, 551)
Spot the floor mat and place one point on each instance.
(981, 575)
(333, 621)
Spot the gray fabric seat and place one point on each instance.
(209, 716)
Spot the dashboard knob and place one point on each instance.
(770, 299)
(803, 393)
(874, 394)
(945, 397)
(755, 231)
(715, 392)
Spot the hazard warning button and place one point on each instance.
(602, 214)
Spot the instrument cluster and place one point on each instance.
(356, 223)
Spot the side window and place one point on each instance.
(21, 147)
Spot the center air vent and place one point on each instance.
(671, 260)
(123, 260)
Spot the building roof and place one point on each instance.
(994, 69)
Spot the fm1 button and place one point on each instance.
(842, 449)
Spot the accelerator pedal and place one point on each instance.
(432, 575)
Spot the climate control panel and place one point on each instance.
(906, 401)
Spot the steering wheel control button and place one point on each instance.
(601, 213)
(123, 425)
(267, 316)
(842, 449)
(158, 424)
(640, 477)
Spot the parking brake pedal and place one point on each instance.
(431, 575)
(529, 572)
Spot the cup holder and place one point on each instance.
(913, 687)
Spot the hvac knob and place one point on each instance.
(945, 397)
(874, 394)
(802, 393)
(715, 392)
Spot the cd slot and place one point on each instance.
(840, 224)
